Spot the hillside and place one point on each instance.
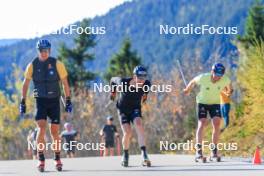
(7, 42)
(141, 20)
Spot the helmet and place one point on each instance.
(110, 118)
(67, 125)
(140, 71)
(43, 44)
(218, 69)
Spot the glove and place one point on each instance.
(112, 96)
(22, 106)
(68, 105)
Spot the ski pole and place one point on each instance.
(64, 105)
(63, 102)
(108, 104)
(182, 75)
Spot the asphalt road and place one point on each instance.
(163, 165)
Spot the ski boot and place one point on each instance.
(58, 165)
(41, 166)
(124, 161)
(199, 156)
(214, 156)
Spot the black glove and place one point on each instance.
(68, 105)
(22, 106)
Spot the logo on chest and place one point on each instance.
(208, 88)
(50, 68)
(51, 72)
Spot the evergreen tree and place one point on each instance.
(122, 63)
(76, 58)
(254, 29)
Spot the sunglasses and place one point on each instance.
(141, 78)
(43, 50)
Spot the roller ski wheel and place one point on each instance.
(200, 159)
(146, 163)
(41, 166)
(124, 163)
(58, 165)
(215, 158)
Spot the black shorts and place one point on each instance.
(214, 110)
(35, 151)
(129, 116)
(48, 108)
(70, 150)
(109, 144)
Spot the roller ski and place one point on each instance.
(58, 165)
(215, 158)
(199, 157)
(41, 166)
(146, 162)
(124, 161)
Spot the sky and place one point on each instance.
(33, 18)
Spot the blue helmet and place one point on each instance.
(218, 69)
(140, 71)
(43, 44)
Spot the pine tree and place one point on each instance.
(76, 58)
(123, 62)
(254, 29)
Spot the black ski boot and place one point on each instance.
(125, 158)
